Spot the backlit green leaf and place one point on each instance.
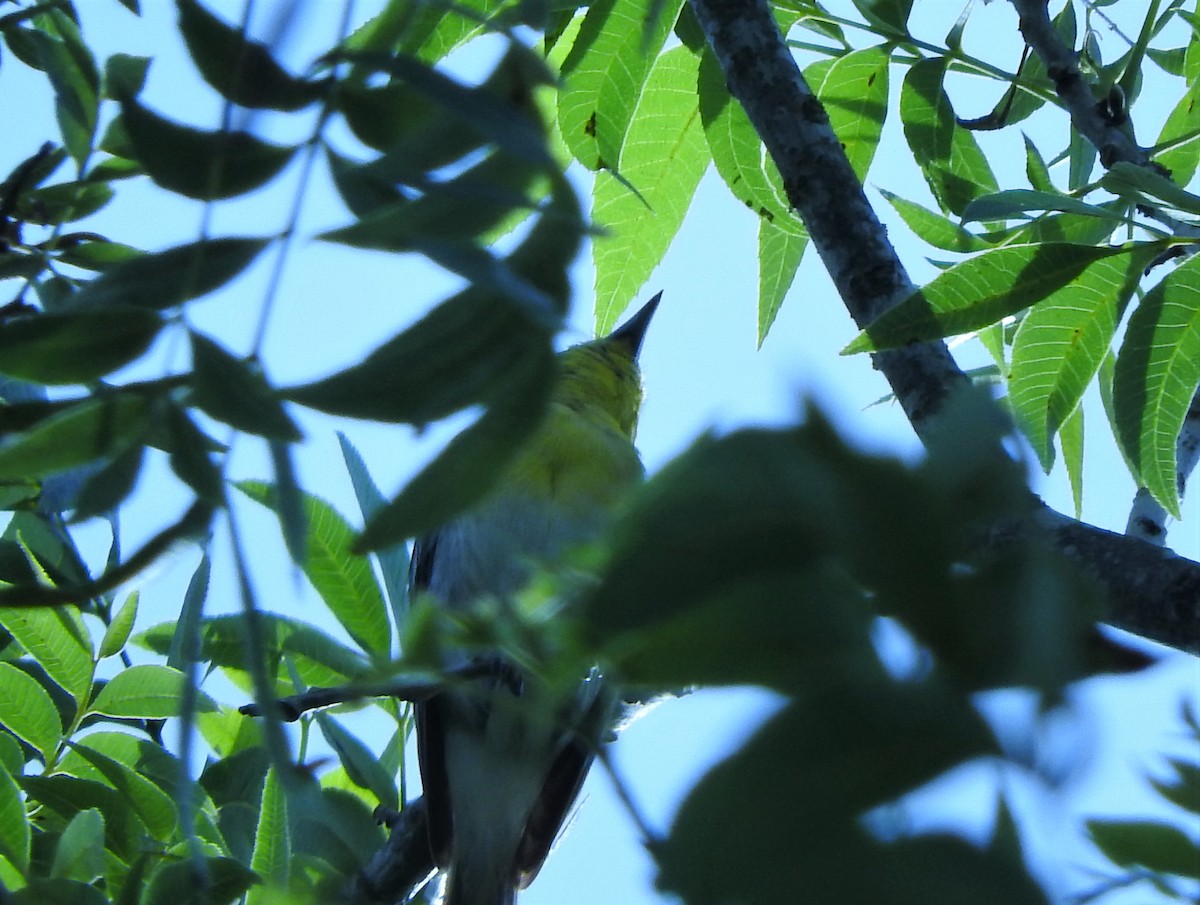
(662, 160)
(978, 292)
(1157, 373)
(1060, 343)
(604, 75)
(27, 711)
(343, 579)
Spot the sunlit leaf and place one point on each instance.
(27, 711)
(1157, 373)
(57, 641)
(343, 580)
(1060, 343)
(605, 73)
(662, 160)
(979, 292)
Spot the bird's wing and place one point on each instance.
(430, 732)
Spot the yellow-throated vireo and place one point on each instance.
(501, 765)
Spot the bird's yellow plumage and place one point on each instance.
(502, 762)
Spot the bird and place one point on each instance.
(502, 763)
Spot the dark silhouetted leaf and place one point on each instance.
(204, 165)
(168, 278)
(242, 70)
(75, 346)
(234, 391)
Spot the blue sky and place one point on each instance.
(702, 373)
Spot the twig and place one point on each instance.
(1095, 121)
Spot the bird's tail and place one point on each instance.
(467, 887)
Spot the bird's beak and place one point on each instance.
(633, 331)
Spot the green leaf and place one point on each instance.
(169, 278)
(1060, 343)
(59, 891)
(65, 202)
(14, 825)
(1017, 202)
(853, 89)
(97, 255)
(606, 72)
(1142, 185)
(232, 390)
(889, 15)
(1036, 170)
(142, 692)
(1179, 139)
(978, 292)
(934, 228)
(1070, 435)
(738, 153)
(188, 448)
(343, 580)
(125, 75)
(97, 428)
(152, 805)
(949, 156)
(500, 111)
(207, 166)
(661, 163)
(362, 766)
(77, 346)
(394, 562)
(482, 203)
(272, 837)
(27, 711)
(225, 880)
(67, 796)
(61, 53)
(318, 658)
(289, 501)
(465, 350)
(118, 631)
(468, 467)
(79, 854)
(242, 70)
(813, 760)
(108, 487)
(1184, 787)
(1157, 373)
(57, 641)
(1142, 843)
(185, 644)
(779, 256)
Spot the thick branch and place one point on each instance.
(1096, 122)
(1152, 592)
(821, 185)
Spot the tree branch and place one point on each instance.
(1098, 123)
(821, 185)
(1152, 592)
